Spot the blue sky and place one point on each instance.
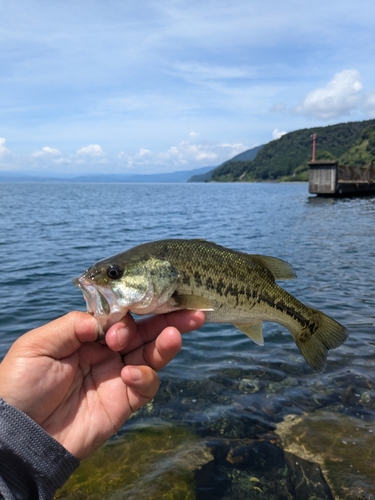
(142, 86)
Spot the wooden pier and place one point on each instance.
(329, 178)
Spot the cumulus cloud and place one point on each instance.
(46, 152)
(3, 149)
(91, 150)
(185, 155)
(143, 152)
(337, 98)
(143, 157)
(369, 104)
(276, 134)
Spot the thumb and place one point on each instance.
(61, 337)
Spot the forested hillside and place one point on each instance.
(286, 158)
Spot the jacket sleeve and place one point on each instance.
(33, 465)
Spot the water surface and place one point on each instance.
(221, 386)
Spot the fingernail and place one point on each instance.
(135, 373)
(122, 337)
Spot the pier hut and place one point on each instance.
(329, 178)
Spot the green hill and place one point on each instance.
(286, 158)
(362, 153)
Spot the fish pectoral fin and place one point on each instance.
(280, 269)
(194, 302)
(252, 330)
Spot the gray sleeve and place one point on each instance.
(33, 465)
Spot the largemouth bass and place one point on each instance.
(230, 286)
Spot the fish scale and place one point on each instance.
(230, 286)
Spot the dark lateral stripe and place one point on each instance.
(306, 324)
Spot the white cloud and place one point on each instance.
(337, 98)
(276, 134)
(91, 150)
(185, 153)
(184, 156)
(62, 160)
(143, 157)
(143, 152)
(200, 154)
(369, 104)
(3, 149)
(45, 152)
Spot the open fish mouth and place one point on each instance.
(101, 303)
(96, 303)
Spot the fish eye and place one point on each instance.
(114, 272)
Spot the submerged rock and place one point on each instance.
(344, 446)
(258, 469)
(151, 463)
(214, 440)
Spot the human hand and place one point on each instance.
(81, 392)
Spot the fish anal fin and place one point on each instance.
(194, 302)
(252, 330)
(280, 269)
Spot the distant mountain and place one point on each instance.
(351, 143)
(182, 176)
(248, 155)
(24, 176)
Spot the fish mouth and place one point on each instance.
(101, 302)
(95, 301)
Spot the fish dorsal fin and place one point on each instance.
(280, 269)
(194, 302)
(252, 330)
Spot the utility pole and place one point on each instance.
(313, 148)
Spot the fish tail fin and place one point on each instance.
(329, 335)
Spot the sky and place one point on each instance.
(129, 86)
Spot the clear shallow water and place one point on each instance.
(221, 384)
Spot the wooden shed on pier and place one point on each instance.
(329, 178)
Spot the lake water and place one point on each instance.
(239, 400)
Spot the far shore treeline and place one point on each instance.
(286, 159)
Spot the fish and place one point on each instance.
(195, 274)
